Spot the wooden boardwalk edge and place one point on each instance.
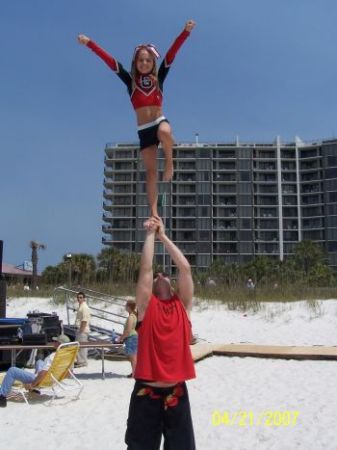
(201, 351)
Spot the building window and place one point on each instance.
(245, 175)
(332, 196)
(246, 223)
(331, 173)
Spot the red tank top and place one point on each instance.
(163, 343)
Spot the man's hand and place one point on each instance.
(148, 224)
(28, 386)
(151, 224)
(83, 39)
(190, 24)
(155, 224)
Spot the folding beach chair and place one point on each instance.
(59, 378)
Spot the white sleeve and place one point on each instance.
(48, 361)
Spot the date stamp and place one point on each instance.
(267, 418)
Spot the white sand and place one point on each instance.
(251, 385)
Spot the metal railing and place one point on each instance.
(108, 319)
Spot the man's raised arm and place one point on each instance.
(185, 280)
(145, 278)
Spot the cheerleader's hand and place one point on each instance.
(190, 24)
(83, 39)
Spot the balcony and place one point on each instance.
(184, 212)
(266, 224)
(316, 235)
(184, 224)
(185, 166)
(289, 200)
(106, 228)
(266, 236)
(288, 154)
(264, 166)
(185, 153)
(225, 248)
(287, 166)
(271, 200)
(184, 188)
(224, 212)
(266, 212)
(267, 249)
(310, 188)
(184, 201)
(291, 236)
(225, 154)
(187, 248)
(227, 165)
(261, 189)
(107, 217)
(309, 153)
(264, 154)
(227, 177)
(224, 189)
(311, 211)
(289, 189)
(312, 200)
(185, 177)
(289, 177)
(225, 201)
(221, 224)
(225, 236)
(122, 200)
(183, 236)
(310, 165)
(290, 224)
(309, 224)
(265, 178)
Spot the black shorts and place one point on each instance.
(148, 133)
(155, 412)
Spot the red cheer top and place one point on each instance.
(164, 343)
(146, 90)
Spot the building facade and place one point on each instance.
(229, 201)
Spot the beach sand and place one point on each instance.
(255, 396)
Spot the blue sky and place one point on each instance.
(255, 69)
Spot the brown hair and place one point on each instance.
(134, 72)
(132, 305)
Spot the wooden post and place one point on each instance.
(3, 287)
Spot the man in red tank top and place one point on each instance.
(159, 402)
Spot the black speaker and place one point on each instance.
(34, 339)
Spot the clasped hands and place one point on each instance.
(155, 224)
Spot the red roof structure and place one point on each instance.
(12, 271)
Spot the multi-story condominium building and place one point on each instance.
(228, 201)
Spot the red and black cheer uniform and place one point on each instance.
(163, 355)
(145, 91)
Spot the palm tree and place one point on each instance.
(262, 269)
(35, 246)
(307, 255)
(118, 266)
(53, 275)
(83, 267)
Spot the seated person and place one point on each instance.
(29, 379)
